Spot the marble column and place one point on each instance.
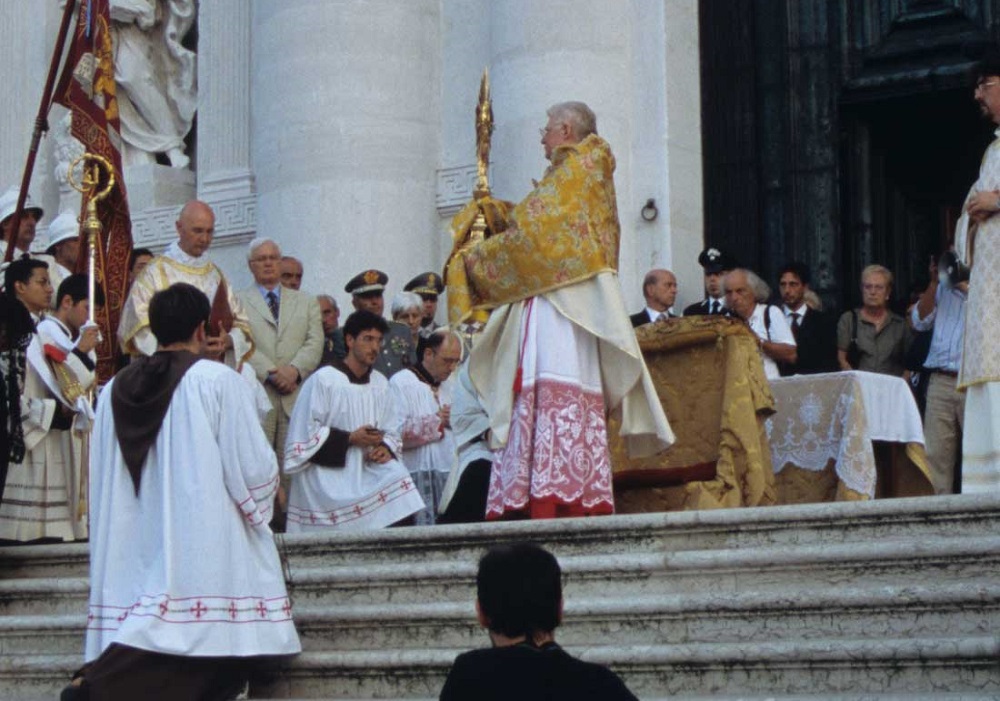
(27, 35)
(224, 166)
(345, 134)
(613, 57)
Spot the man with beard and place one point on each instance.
(977, 243)
(342, 458)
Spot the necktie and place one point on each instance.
(715, 306)
(662, 317)
(796, 320)
(272, 303)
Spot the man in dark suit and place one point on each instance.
(659, 287)
(815, 332)
(715, 264)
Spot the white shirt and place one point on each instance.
(655, 315)
(801, 311)
(720, 301)
(947, 318)
(780, 332)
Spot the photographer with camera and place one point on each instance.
(942, 308)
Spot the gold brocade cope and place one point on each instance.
(461, 300)
(565, 231)
(711, 384)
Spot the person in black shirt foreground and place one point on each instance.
(519, 601)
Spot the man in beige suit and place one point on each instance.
(288, 334)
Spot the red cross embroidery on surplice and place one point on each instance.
(406, 485)
(358, 510)
(262, 609)
(381, 497)
(123, 616)
(287, 608)
(312, 518)
(199, 609)
(232, 610)
(164, 607)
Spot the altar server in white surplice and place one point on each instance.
(187, 591)
(67, 332)
(420, 413)
(41, 496)
(341, 453)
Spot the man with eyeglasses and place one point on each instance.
(977, 243)
(288, 339)
(420, 413)
(559, 349)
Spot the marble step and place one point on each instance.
(839, 666)
(967, 516)
(44, 596)
(722, 571)
(882, 670)
(765, 569)
(919, 611)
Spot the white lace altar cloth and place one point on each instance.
(837, 416)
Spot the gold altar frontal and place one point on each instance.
(711, 382)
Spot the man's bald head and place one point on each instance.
(195, 228)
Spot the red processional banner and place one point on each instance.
(87, 88)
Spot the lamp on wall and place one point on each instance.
(649, 211)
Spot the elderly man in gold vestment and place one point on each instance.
(558, 352)
(186, 260)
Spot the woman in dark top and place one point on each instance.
(881, 336)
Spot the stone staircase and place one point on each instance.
(881, 600)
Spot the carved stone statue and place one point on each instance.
(67, 149)
(156, 76)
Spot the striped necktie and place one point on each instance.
(272, 303)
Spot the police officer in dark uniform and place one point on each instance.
(715, 264)
(428, 286)
(366, 290)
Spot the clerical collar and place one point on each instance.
(175, 251)
(421, 372)
(339, 364)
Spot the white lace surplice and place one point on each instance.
(428, 449)
(557, 448)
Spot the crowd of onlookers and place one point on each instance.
(797, 336)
